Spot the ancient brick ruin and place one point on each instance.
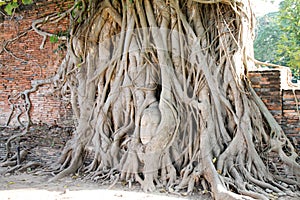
(24, 61)
(282, 100)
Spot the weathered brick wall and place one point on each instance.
(283, 104)
(267, 86)
(290, 121)
(25, 62)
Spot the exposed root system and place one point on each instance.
(161, 97)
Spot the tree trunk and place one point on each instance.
(161, 97)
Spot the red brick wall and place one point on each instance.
(290, 121)
(32, 63)
(281, 103)
(267, 86)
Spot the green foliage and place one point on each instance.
(11, 5)
(76, 12)
(267, 36)
(278, 37)
(26, 2)
(2, 3)
(53, 38)
(289, 45)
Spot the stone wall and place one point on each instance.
(24, 61)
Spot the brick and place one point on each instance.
(282, 104)
(17, 75)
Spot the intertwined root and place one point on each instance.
(13, 159)
(161, 98)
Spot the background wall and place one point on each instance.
(24, 61)
(283, 103)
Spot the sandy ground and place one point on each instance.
(29, 187)
(82, 194)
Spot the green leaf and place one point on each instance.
(26, 2)
(10, 7)
(2, 3)
(53, 38)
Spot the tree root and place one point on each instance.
(74, 160)
(28, 167)
(14, 160)
(15, 163)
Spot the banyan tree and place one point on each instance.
(161, 97)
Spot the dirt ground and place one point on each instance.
(44, 144)
(29, 187)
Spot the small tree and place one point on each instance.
(278, 37)
(267, 37)
(289, 44)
